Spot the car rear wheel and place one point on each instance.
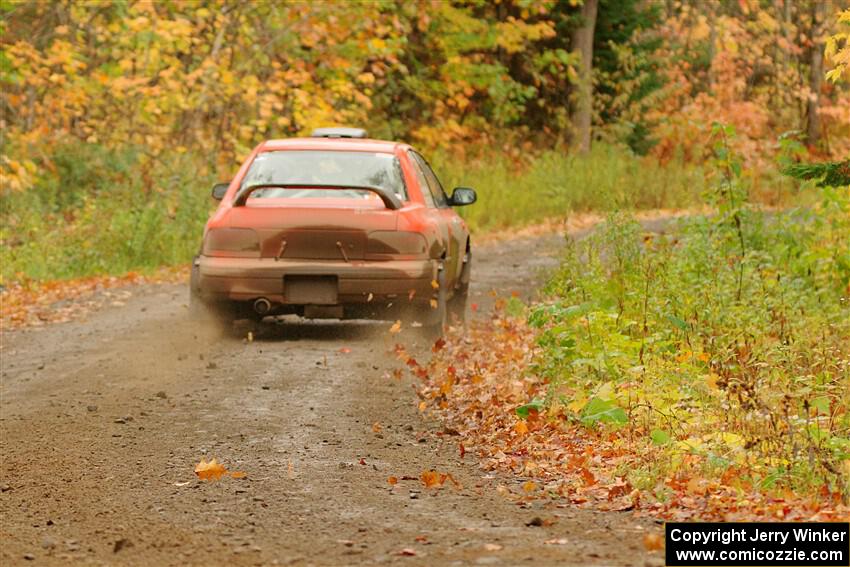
(435, 316)
(457, 308)
(457, 305)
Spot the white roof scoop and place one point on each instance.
(338, 133)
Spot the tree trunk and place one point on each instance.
(813, 125)
(582, 108)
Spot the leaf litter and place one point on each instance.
(479, 382)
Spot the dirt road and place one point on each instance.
(102, 422)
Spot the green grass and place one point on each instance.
(97, 211)
(104, 213)
(555, 184)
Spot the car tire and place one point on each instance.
(458, 305)
(434, 318)
(457, 308)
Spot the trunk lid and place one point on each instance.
(314, 229)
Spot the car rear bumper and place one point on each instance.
(358, 282)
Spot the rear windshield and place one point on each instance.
(333, 168)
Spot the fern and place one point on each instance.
(828, 174)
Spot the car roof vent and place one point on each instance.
(339, 133)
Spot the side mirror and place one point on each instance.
(462, 196)
(218, 190)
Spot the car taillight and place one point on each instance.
(396, 243)
(234, 242)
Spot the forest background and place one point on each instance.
(117, 117)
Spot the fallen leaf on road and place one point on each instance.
(492, 546)
(433, 303)
(238, 474)
(619, 488)
(345, 350)
(407, 552)
(431, 479)
(396, 328)
(392, 481)
(290, 471)
(181, 483)
(462, 450)
(362, 461)
(558, 541)
(588, 477)
(435, 284)
(653, 542)
(529, 486)
(212, 470)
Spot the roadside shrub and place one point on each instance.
(101, 212)
(723, 341)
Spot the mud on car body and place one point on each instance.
(335, 226)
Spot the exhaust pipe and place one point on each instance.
(262, 306)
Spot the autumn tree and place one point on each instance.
(582, 106)
(819, 9)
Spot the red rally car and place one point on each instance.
(335, 226)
